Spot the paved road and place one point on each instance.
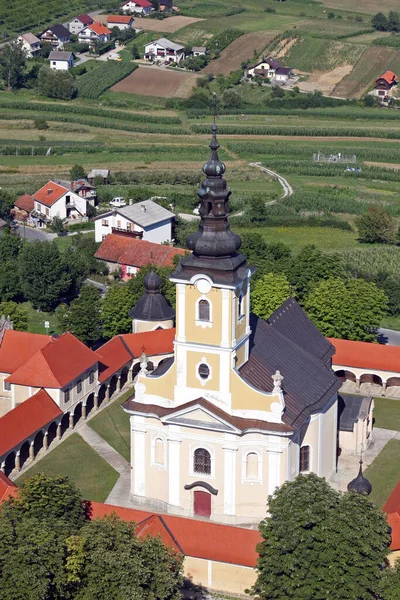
(389, 336)
(33, 234)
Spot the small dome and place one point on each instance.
(360, 484)
(152, 282)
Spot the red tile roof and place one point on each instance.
(126, 250)
(392, 508)
(142, 3)
(200, 539)
(25, 202)
(26, 419)
(365, 355)
(113, 356)
(119, 19)
(17, 347)
(389, 77)
(55, 365)
(156, 342)
(99, 28)
(49, 193)
(7, 487)
(85, 19)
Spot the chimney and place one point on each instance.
(49, 191)
(143, 208)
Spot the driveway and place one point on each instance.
(389, 336)
(32, 234)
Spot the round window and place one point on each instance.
(204, 371)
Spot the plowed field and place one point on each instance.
(166, 25)
(157, 82)
(240, 50)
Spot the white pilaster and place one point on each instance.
(181, 316)
(139, 469)
(230, 481)
(274, 468)
(174, 468)
(248, 306)
(225, 338)
(225, 361)
(320, 443)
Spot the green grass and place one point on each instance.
(112, 424)
(317, 53)
(66, 241)
(36, 320)
(85, 468)
(296, 237)
(384, 473)
(387, 413)
(391, 323)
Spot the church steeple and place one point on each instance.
(214, 246)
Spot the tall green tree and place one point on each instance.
(10, 288)
(77, 172)
(17, 313)
(267, 258)
(44, 276)
(10, 245)
(318, 544)
(376, 226)
(83, 316)
(117, 302)
(12, 64)
(380, 22)
(56, 84)
(394, 21)
(309, 267)
(350, 309)
(268, 293)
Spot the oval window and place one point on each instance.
(204, 371)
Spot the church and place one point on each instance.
(243, 404)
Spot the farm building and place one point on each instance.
(121, 21)
(30, 43)
(104, 174)
(141, 7)
(147, 220)
(164, 50)
(61, 61)
(78, 23)
(199, 50)
(385, 84)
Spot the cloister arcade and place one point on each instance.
(379, 383)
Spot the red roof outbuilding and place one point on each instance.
(365, 355)
(25, 202)
(126, 250)
(26, 419)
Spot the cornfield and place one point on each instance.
(371, 261)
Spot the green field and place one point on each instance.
(75, 459)
(387, 413)
(384, 472)
(112, 424)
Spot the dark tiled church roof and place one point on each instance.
(290, 343)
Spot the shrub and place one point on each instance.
(40, 123)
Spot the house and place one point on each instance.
(61, 61)
(104, 174)
(121, 21)
(385, 84)
(282, 74)
(81, 187)
(199, 50)
(56, 35)
(78, 23)
(265, 68)
(23, 207)
(122, 251)
(30, 43)
(96, 32)
(244, 404)
(141, 7)
(164, 50)
(54, 200)
(147, 220)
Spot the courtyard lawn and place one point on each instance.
(387, 413)
(37, 318)
(85, 468)
(113, 426)
(384, 472)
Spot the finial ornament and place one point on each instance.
(277, 378)
(143, 363)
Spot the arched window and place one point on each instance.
(240, 305)
(304, 459)
(252, 466)
(159, 451)
(204, 310)
(202, 461)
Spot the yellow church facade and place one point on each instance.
(243, 404)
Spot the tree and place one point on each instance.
(12, 63)
(6, 203)
(309, 267)
(380, 22)
(314, 544)
(394, 21)
(17, 313)
(390, 589)
(9, 280)
(117, 302)
(267, 258)
(268, 293)
(83, 316)
(10, 245)
(56, 84)
(349, 309)
(44, 277)
(77, 172)
(135, 52)
(376, 226)
(231, 99)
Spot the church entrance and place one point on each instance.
(202, 504)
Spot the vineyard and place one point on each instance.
(94, 83)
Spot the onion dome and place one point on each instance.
(152, 306)
(360, 484)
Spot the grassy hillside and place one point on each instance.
(323, 54)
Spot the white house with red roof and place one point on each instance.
(141, 7)
(123, 22)
(78, 23)
(54, 200)
(96, 32)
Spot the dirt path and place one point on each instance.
(380, 164)
(324, 81)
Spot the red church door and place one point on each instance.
(202, 504)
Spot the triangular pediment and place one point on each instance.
(199, 417)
